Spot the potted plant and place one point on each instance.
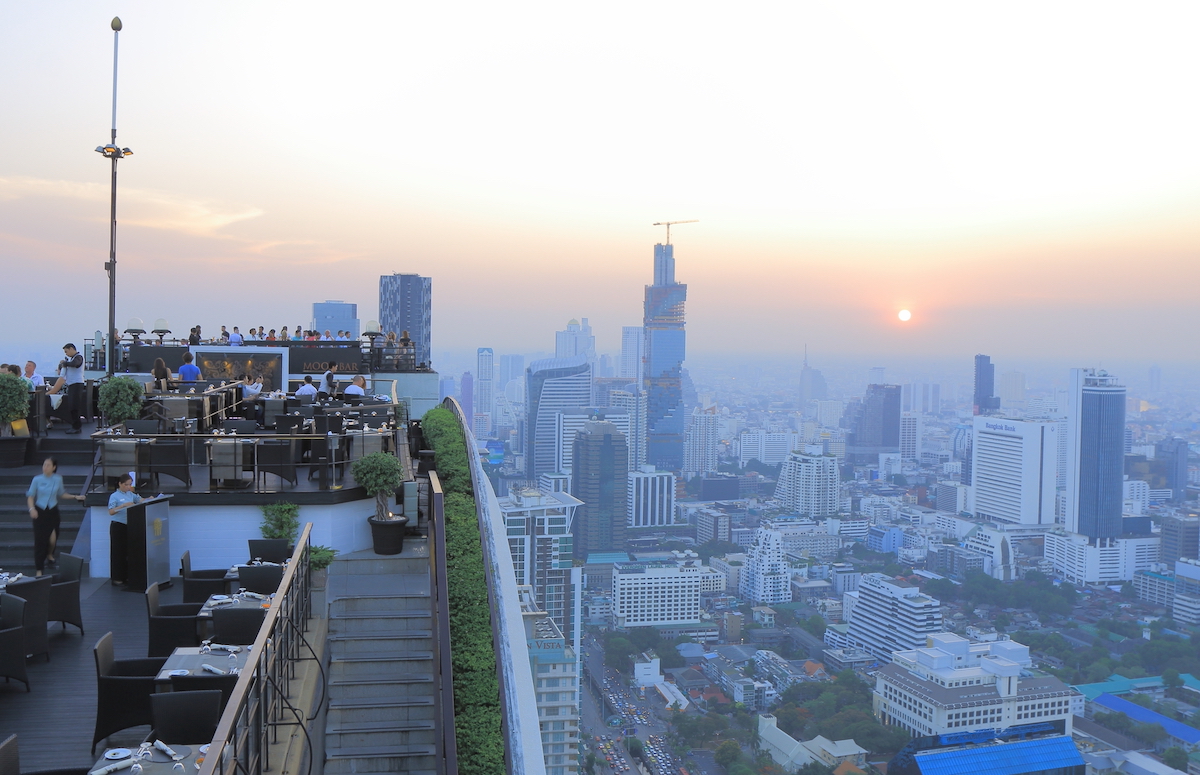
(120, 399)
(281, 520)
(14, 406)
(380, 474)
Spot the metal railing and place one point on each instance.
(261, 698)
(518, 703)
(443, 667)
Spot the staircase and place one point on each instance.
(381, 714)
(16, 528)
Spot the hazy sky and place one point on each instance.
(1024, 177)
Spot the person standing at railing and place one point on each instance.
(71, 368)
(43, 495)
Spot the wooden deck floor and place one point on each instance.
(54, 722)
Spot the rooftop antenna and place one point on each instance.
(669, 224)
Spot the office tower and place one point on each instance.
(605, 367)
(651, 497)
(511, 367)
(766, 578)
(712, 525)
(1095, 454)
(406, 304)
(633, 346)
(466, 394)
(334, 316)
(553, 385)
(808, 484)
(576, 340)
(447, 387)
(877, 375)
(664, 353)
(984, 397)
(875, 424)
(1155, 378)
(812, 383)
(602, 388)
(910, 435)
(1180, 538)
(541, 527)
(554, 664)
(769, 448)
(702, 441)
(569, 422)
(600, 478)
(1014, 470)
(485, 397)
(1171, 459)
(921, 397)
(947, 685)
(829, 413)
(657, 593)
(1010, 389)
(892, 616)
(632, 402)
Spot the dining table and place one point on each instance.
(190, 660)
(247, 600)
(119, 760)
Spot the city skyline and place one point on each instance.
(1012, 202)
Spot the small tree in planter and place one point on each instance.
(14, 405)
(121, 399)
(380, 474)
(280, 520)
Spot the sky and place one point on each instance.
(1024, 178)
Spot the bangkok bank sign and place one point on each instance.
(999, 426)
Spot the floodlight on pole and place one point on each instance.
(113, 152)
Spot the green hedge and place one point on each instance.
(476, 691)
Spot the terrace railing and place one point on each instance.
(444, 678)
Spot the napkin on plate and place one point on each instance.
(230, 649)
(124, 763)
(160, 745)
(213, 670)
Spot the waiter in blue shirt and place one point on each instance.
(118, 530)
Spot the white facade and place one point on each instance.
(765, 579)
(651, 497)
(554, 662)
(568, 423)
(891, 616)
(576, 340)
(769, 448)
(701, 443)
(485, 398)
(646, 670)
(712, 525)
(539, 531)
(633, 404)
(953, 685)
(995, 546)
(1115, 560)
(910, 435)
(633, 343)
(809, 484)
(656, 593)
(731, 567)
(1014, 470)
(829, 413)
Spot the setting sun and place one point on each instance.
(905, 315)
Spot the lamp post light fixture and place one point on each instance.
(114, 152)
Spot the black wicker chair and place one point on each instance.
(263, 579)
(12, 639)
(186, 717)
(268, 549)
(64, 593)
(10, 757)
(171, 626)
(123, 690)
(200, 585)
(204, 682)
(237, 626)
(36, 594)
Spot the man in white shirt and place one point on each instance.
(32, 375)
(235, 339)
(357, 387)
(308, 388)
(341, 337)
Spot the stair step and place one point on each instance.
(367, 689)
(381, 644)
(392, 759)
(363, 604)
(414, 733)
(350, 713)
(369, 625)
(381, 702)
(382, 667)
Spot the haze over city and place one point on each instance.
(1024, 180)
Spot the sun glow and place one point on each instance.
(904, 316)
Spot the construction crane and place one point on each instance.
(669, 224)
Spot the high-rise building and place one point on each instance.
(577, 339)
(466, 393)
(511, 367)
(910, 435)
(600, 478)
(569, 422)
(658, 593)
(985, 398)
(553, 385)
(922, 397)
(336, 316)
(632, 402)
(633, 347)
(808, 484)
(712, 525)
(769, 448)
(877, 375)
(540, 528)
(651, 497)
(1014, 470)
(406, 304)
(1171, 459)
(447, 387)
(829, 413)
(702, 441)
(1010, 389)
(892, 616)
(485, 397)
(1095, 454)
(664, 353)
(1180, 538)
(875, 424)
(554, 663)
(766, 578)
(812, 383)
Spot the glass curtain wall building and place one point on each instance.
(406, 304)
(664, 353)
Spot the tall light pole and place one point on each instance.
(111, 151)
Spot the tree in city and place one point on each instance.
(636, 749)
(727, 753)
(1171, 679)
(1176, 758)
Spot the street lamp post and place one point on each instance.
(111, 151)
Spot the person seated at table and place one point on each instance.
(118, 530)
(308, 388)
(252, 385)
(31, 374)
(161, 374)
(357, 387)
(270, 336)
(188, 372)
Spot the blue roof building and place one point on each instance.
(1044, 756)
(1180, 734)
